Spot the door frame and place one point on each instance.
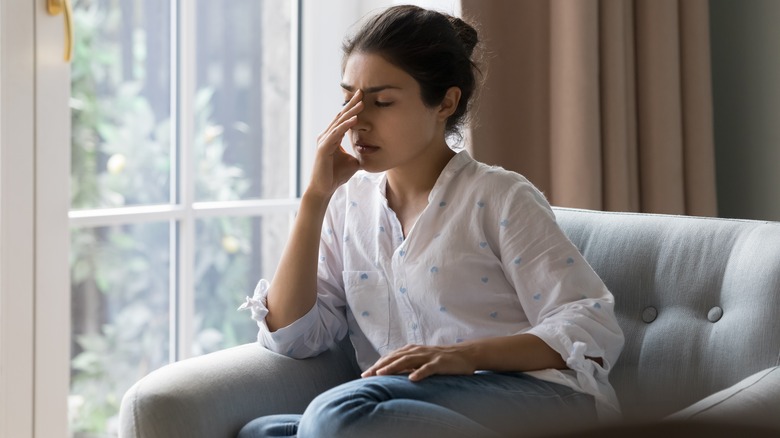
(34, 234)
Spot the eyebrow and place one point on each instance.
(370, 90)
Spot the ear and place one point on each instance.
(449, 104)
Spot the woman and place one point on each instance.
(470, 312)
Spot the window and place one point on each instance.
(186, 168)
(183, 182)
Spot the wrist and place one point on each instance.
(470, 353)
(315, 197)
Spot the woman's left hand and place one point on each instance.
(422, 361)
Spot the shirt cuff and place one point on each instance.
(257, 303)
(285, 339)
(592, 378)
(289, 340)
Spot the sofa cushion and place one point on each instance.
(754, 400)
(697, 299)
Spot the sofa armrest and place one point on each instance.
(215, 395)
(754, 400)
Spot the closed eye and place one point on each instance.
(382, 104)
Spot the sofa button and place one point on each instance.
(715, 314)
(649, 314)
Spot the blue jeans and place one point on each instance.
(479, 405)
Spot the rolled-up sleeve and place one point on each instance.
(325, 323)
(567, 304)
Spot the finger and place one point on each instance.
(381, 363)
(403, 364)
(380, 366)
(356, 100)
(346, 114)
(410, 347)
(424, 371)
(353, 101)
(352, 112)
(332, 140)
(392, 357)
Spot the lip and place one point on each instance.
(365, 149)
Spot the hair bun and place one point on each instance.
(466, 34)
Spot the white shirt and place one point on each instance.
(484, 259)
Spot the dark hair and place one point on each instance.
(434, 48)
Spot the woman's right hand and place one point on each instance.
(333, 166)
(293, 291)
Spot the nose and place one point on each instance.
(363, 122)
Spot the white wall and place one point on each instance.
(745, 40)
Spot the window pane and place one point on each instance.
(232, 255)
(242, 102)
(120, 318)
(120, 101)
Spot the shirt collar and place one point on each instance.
(452, 168)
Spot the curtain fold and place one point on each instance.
(603, 104)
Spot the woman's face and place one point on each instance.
(395, 127)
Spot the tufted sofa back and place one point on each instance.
(698, 300)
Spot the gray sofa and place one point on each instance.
(697, 298)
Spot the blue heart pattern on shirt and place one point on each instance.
(364, 276)
(483, 244)
(537, 297)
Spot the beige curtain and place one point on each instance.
(603, 104)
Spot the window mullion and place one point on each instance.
(296, 187)
(184, 293)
